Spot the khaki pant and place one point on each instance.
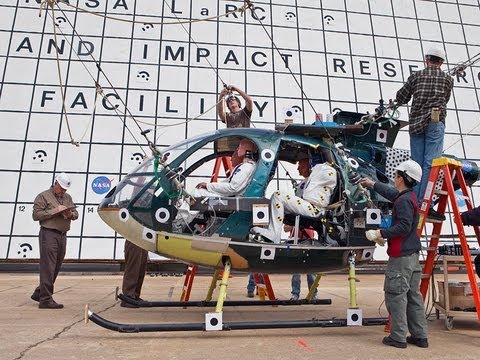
(135, 267)
(52, 252)
(403, 298)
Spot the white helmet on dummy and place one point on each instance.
(63, 180)
(437, 52)
(411, 169)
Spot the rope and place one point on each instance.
(240, 10)
(98, 87)
(98, 91)
(62, 92)
(175, 124)
(110, 83)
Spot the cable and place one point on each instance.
(59, 72)
(460, 67)
(97, 85)
(193, 40)
(239, 10)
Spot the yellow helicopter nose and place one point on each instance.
(119, 219)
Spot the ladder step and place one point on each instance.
(441, 192)
(433, 220)
(429, 248)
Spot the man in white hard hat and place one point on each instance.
(403, 299)
(55, 210)
(430, 89)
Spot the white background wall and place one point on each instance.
(346, 54)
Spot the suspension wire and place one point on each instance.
(193, 40)
(462, 136)
(59, 72)
(456, 70)
(98, 91)
(215, 70)
(240, 10)
(460, 67)
(98, 87)
(158, 157)
(254, 15)
(331, 141)
(124, 119)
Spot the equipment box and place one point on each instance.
(459, 294)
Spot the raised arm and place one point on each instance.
(220, 107)
(244, 95)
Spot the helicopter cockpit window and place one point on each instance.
(130, 188)
(200, 165)
(168, 155)
(145, 197)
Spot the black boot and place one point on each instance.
(387, 340)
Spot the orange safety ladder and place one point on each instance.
(264, 287)
(452, 169)
(227, 166)
(188, 282)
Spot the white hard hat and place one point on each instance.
(63, 180)
(411, 169)
(435, 51)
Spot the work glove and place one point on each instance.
(375, 236)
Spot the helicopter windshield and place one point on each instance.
(138, 187)
(168, 155)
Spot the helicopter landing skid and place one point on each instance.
(235, 325)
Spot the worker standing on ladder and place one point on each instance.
(430, 89)
(237, 117)
(403, 299)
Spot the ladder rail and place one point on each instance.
(451, 169)
(437, 227)
(463, 241)
(463, 186)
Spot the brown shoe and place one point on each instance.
(128, 305)
(50, 305)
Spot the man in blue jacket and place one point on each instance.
(403, 299)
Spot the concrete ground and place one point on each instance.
(27, 332)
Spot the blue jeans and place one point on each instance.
(423, 149)
(251, 282)
(296, 283)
